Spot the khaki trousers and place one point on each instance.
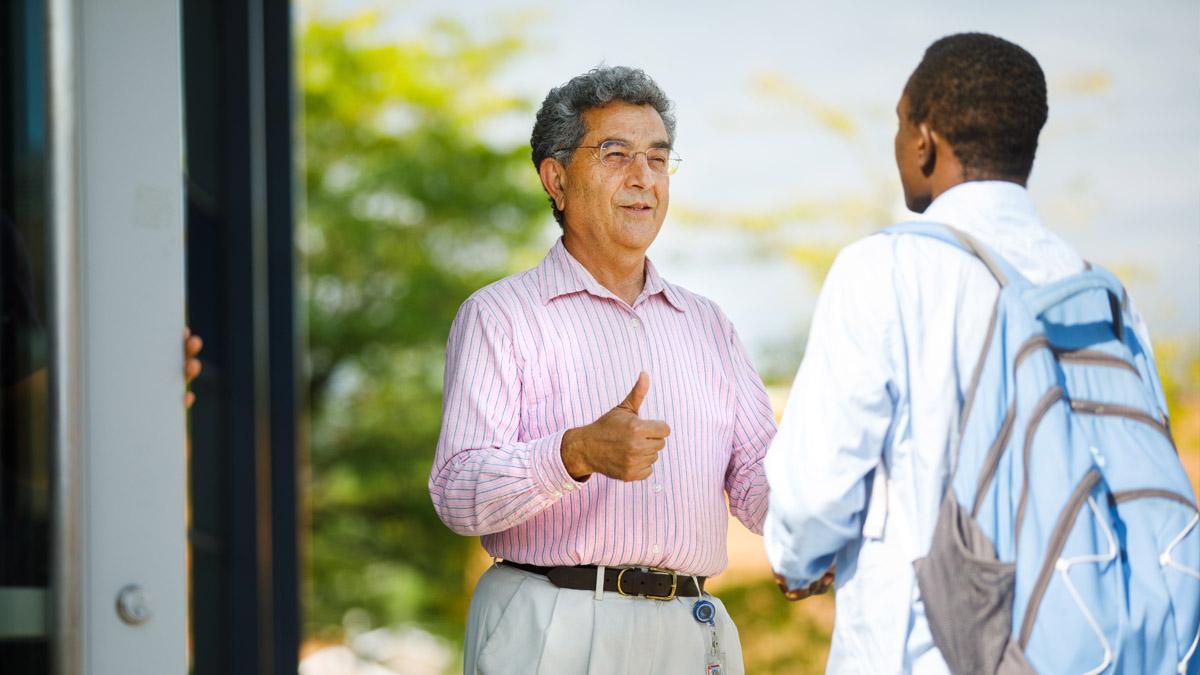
(521, 624)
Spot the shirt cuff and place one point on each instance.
(548, 470)
(780, 556)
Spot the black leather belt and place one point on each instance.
(647, 582)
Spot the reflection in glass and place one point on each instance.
(24, 395)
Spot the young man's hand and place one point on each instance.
(815, 588)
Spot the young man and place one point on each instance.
(861, 462)
(599, 423)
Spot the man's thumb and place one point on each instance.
(634, 400)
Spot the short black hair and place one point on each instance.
(987, 97)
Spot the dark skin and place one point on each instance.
(928, 167)
(927, 163)
(815, 588)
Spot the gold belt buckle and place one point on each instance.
(674, 584)
(669, 596)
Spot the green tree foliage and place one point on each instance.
(409, 210)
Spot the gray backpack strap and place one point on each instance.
(1005, 275)
(1000, 269)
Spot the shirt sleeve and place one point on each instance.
(837, 417)
(754, 426)
(483, 479)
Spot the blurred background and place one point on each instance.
(315, 186)
(418, 189)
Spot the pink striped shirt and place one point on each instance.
(549, 349)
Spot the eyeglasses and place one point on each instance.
(618, 155)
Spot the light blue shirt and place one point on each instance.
(860, 463)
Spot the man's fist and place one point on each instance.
(620, 444)
(815, 588)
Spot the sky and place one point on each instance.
(789, 108)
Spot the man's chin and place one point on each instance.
(918, 204)
(640, 232)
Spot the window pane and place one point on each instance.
(24, 395)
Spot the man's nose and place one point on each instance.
(639, 173)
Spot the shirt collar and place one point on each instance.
(561, 274)
(656, 284)
(984, 208)
(1002, 215)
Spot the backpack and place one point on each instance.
(1067, 540)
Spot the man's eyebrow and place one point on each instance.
(625, 142)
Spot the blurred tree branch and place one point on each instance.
(410, 208)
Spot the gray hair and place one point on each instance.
(559, 126)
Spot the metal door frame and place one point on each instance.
(115, 145)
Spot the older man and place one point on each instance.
(596, 417)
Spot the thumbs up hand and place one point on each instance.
(620, 444)
(636, 395)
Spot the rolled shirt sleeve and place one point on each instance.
(837, 418)
(484, 479)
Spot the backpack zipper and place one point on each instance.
(1058, 541)
(1094, 357)
(1144, 493)
(1118, 410)
(1054, 395)
(992, 459)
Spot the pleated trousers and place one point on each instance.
(521, 624)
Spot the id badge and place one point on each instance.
(705, 614)
(714, 658)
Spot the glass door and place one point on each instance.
(25, 451)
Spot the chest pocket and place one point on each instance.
(538, 412)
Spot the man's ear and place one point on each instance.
(927, 147)
(554, 179)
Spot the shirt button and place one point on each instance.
(635, 323)
(557, 493)
(568, 487)
(656, 549)
(658, 487)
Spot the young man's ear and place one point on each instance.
(554, 177)
(927, 143)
